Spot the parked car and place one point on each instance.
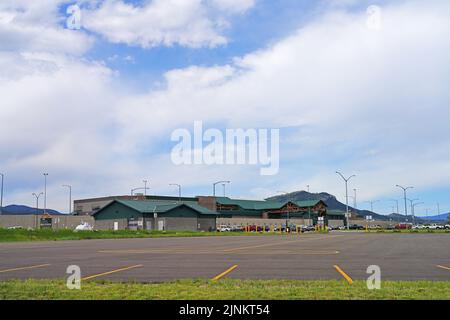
(356, 227)
(403, 226)
(447, 226)
(14, 228)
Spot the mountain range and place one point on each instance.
(25, 210)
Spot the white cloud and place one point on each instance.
(350, 89)
(235, 6)
(188, 23)
(35, 26)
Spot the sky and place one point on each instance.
(355, 86)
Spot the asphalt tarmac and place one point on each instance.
(337, 255)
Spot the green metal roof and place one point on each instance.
(264, 205)
(307, 203)
(250, 204)
(336, 213)
(150, 206)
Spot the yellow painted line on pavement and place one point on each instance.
(224, 273)
(112, 271)
(25, 268)
(346, 276)
(278, 243)
(442, 267)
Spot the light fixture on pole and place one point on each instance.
(70, 196)
(346, 195)
(404, 197)
(179, 189)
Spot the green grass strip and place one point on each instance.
(226, 289)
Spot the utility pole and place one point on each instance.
(70, 196)
(404, 197)
(439, 208)
(179, 190)
(346, 195)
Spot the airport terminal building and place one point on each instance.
(201, 213)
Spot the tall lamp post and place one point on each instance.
(371, 204)
(216, 183)
(37, 196)
(145, 187)
(70, 196)
(404, 197)
(346, 195)
(413, 212)
(1, 193)
(45, 192)
(179, 190)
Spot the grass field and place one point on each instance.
(13, 235)
(225, 289)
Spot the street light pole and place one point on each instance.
(404, 196)
(45, 192)
(179, 189)
(1, 194)
(37, 196)
(70, 196)
(371, 204)
(413, 211)
(411, 201)
(216, 183)
(346, 195)
(145, 187)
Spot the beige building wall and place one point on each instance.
(32, 221)
(260, 222)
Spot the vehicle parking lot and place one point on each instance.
(303, 256)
